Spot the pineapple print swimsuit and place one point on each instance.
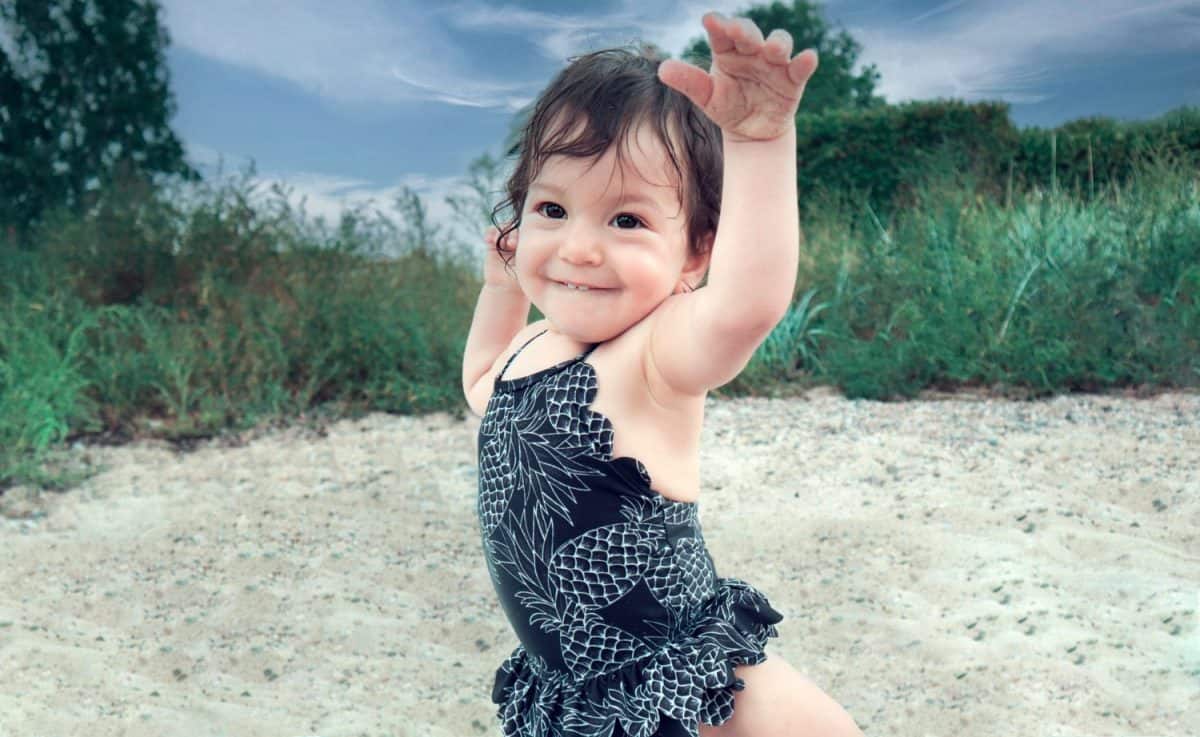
(624, 626)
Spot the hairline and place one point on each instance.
(556, 128)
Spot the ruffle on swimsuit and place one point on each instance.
(625, 628)
(689, 681)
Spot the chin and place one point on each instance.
(588, 332)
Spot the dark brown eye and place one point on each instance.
(636, 222)
(540, 207)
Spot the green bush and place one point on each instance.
(188, 316)
(1055, 294)
(191, 313)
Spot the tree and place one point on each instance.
(834, 86)
(83, 96)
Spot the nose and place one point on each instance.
(580, 245)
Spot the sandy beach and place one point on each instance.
(965, 566)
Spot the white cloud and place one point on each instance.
(557, 36)
(1006, 49)
(674, 32)
(475, 94)
(402, 51)
(348, 52)
(560, 36)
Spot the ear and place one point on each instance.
(696, 265)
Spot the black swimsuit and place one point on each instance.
(625, 627)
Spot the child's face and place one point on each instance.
(583, 223)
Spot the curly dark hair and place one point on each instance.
(611, 91)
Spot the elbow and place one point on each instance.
(761, 310)
(751, 325)
(754, 318)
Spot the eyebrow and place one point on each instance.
(634, 198)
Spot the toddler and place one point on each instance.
(637, 179)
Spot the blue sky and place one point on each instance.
(348, 102)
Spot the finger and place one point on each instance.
(489, 235)
(718, 36)
(690, 80)
(747, 36)
(778, 46)
(802, 67)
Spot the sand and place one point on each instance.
(969, 566)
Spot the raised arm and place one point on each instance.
(500, 313)
(703, 339)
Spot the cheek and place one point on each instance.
(647, 272)
(530, 245)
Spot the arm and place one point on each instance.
(500, 313)
(703, 339)
(755, 255)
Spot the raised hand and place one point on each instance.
(494, 273)
(754, 86)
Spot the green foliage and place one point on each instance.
(794, 345)
(187, 314)
(884, 154)
(1053, 294)
(943, 248)
(83, 94)
(193, 312)
(835, 86)
(41, 386)
(1084, 156)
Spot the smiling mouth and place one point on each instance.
(580, 287)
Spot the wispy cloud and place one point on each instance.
(362, 52)
(555, 35)
(943, 8)
(558, 36)
(1005, 49)
(371, 52)
(474, 94)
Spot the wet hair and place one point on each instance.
(611, 91)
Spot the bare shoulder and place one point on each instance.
(518, 340)
(481, 394)
(696, 344)
(523, 335)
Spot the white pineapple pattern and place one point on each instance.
(568, 535)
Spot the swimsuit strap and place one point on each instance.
(508, 363)
(514, 355)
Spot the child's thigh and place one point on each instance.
(779, 702)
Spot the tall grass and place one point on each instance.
(1058, 292)
(179, 317)
(151, 318)
(42, 391)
